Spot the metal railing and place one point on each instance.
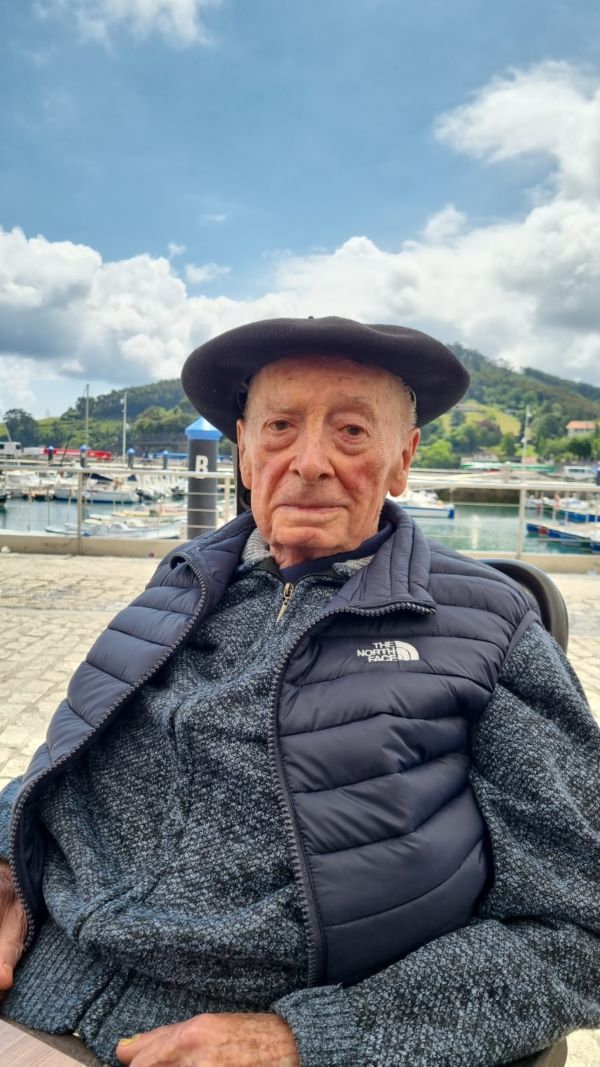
(140, 502)
(142, 496)
(525, 489)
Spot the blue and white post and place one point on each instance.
(203, 444)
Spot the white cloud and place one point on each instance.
(175, 250)
(524, 289)
(551, 110)
(130, 320)
(215, 216)
(445, 224)
(179, 21)
(208, 272)
(16, 376)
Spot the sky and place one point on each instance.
(170, 169)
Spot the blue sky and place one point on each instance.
(171, 168)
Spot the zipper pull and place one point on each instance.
(288, 592)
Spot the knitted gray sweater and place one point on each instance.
(180, 898)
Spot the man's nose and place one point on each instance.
(311, 460)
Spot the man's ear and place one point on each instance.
(399, 476)
(243, 455)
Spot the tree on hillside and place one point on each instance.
(465, 439)
(591, 392)
(166, 394)
(488, 433)
(496, 384)
(572, 449)
(21, 426)
(508, 446)
(581, 446)
(550, 424)
(156, 428)
(457, 417)
(437, 454)
(431, 431)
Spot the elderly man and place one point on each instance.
(325, 793)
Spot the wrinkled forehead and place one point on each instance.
(294, 371)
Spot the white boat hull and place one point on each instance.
(121, 531)
(445, 511)
(424, 504)
(97, 496)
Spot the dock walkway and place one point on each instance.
(53, 607)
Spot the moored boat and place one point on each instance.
(555, 531)
(424, 503)
(98, 490)
(573, 508)
(29, 485)
(136, 529)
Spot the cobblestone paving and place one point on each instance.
(53, 607)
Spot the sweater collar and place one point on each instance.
(256, 551)
(397, 573)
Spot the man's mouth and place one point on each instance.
(309, 507)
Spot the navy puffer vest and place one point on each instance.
(372, 713)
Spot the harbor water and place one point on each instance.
(475, 528)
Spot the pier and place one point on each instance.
(157, 511)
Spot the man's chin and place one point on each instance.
(306, 535)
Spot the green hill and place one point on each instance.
(493, 382)
(501, 392)
(474, 411)
(489, 417)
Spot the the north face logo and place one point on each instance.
(388, 652)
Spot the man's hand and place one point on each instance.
(214, 1040)
(13, 927)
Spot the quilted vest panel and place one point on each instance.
(375, 718)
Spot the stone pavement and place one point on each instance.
(53, 607)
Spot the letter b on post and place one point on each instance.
(202, 465)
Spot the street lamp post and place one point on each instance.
(87, 416)
(124, 439)
(524, 437)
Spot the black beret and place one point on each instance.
(217, 372)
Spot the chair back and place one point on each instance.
(542, 592)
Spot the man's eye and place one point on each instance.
(279, 425)
(353, 431)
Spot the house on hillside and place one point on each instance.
(575, 428)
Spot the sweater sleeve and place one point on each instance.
(526, 969)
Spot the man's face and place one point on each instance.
(322, 442)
